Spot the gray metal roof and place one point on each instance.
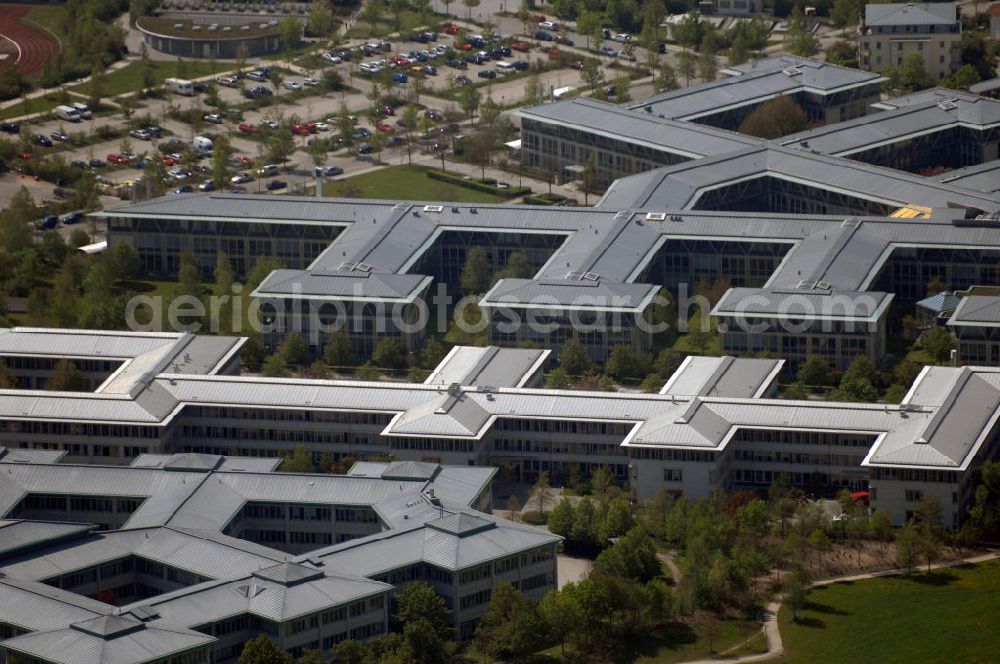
(984, 177)
(205, 462)
(37, 606)
(725, 376)
(978, 311)
(108, 640)
(503, 367)
(911, 13)
(803, 304)
(753, 83)
(17, 535)
(24, 455)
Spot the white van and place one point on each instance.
(180, 86)
(559, 93)
(202, 145)
(506, 67)
(82, 109)
(68, 113)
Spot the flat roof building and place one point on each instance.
(890, 32)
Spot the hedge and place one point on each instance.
(512, 192)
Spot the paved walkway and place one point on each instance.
(772, 634)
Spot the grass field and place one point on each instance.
(34, 105)
(49, 17)
(947, 616)
(129, 79)
(405, 182)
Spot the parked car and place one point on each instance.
(257, 75)
(520, 46)
(59, 135)
(42, 140)
(399, 77)
(331, 58)
(434, 115)
(621, 37)
(311, 82)
(292, 85)
(10, 127)
(541, 35)
(609, 52)
(385, 128)
(267, 171)
(115, 158)
(274, 185)
(269, 123)
(207, 185)
(321, 126)
(183, 189)
(246, 128)
(548, 25)
(629, 57)
(228, 81)
(451, 29)
(521, 65)
(97, 163)
(215, 118)
(79, 163)
(360, 132)
(365, 148)
(302, 129)
(487, 73)
(463, 80)
(329, 171)
(455, 63)
(72, 218)
(241, 178)
(564, 40)
(576, 64)
(49, 222)
(430, 70)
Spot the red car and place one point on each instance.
(519, 46)
(452, 29)
(303, 129)
(241, 160)
(115, 158)
(247, 128)
(462, 47)
(401, 61)
(167, 160)
(540, 17)
(576, 64)
(385, 127)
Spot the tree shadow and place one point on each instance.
(936, 578)
(825, 609)
(809, 621)
(667, 637)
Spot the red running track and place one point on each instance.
(33, 45)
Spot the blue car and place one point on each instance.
(72, 218)
(399, 77)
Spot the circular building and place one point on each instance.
(220, 38)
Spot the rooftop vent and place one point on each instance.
(792, 71)
(590, 276)
(433, 208)
(656, 216)
(363, 267)
(676, 217)
(948, 105)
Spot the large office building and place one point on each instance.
(712, 425)
(180, 559)
(890, 32)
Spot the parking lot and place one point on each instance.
(425, 59)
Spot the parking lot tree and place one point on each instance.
(687, 65)
(345, 125)
(799, 39)
(666, 78)
(591, 74)
(320, 23)
(371, 12)
(222, 169)
(470, 5)
(688, 31)
(410, 116)
(398, 7)
(469, 100)
(796, 592)
(281, 145)
(290, 31)
(534, 91)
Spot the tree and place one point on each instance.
(468, 100)
(814, 372)
(123, 261)
(906, 547)
(591, 73)
(222, 153)
(15, 232)
(854, 388)
(387, 354)
(475, 276)
(799, 39)
(775, 118)
(311, 657)
(541, 491)
(513, 508)
(686, 66)
(573, 357)
(293, 349)
(290, 32)
(418, 603)
(796, 593)
(930, 539)
(842, 53)
(861, 367)
(280, 145)
(8, 379)
(511, 627)
(708, 68)
(432, 353)
(534, 91)
(666, 78)
(274, 367)
(910, 75)
(320, 22)
(739, 52)
(300, 461)
(561, 518)
(66, 377)
(587, 24)
(517, 267)
(939, 343)
(371, 12)
(688, 31)
(470, 4)
(562, 615)
(558, 379)
(261, 650)
(632, 556)
(626, 362)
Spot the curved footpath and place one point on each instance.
(773, 635)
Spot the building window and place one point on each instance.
(913, 496)
(673, 475)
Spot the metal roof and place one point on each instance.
(489, 366)
(977, 310)
(722, 376)
(911, 13)
(37, 606)
(17, 535)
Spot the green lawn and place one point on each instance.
(947, 616)
(35, 105)
(405, 182)
(49, 17)
(129, 79)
